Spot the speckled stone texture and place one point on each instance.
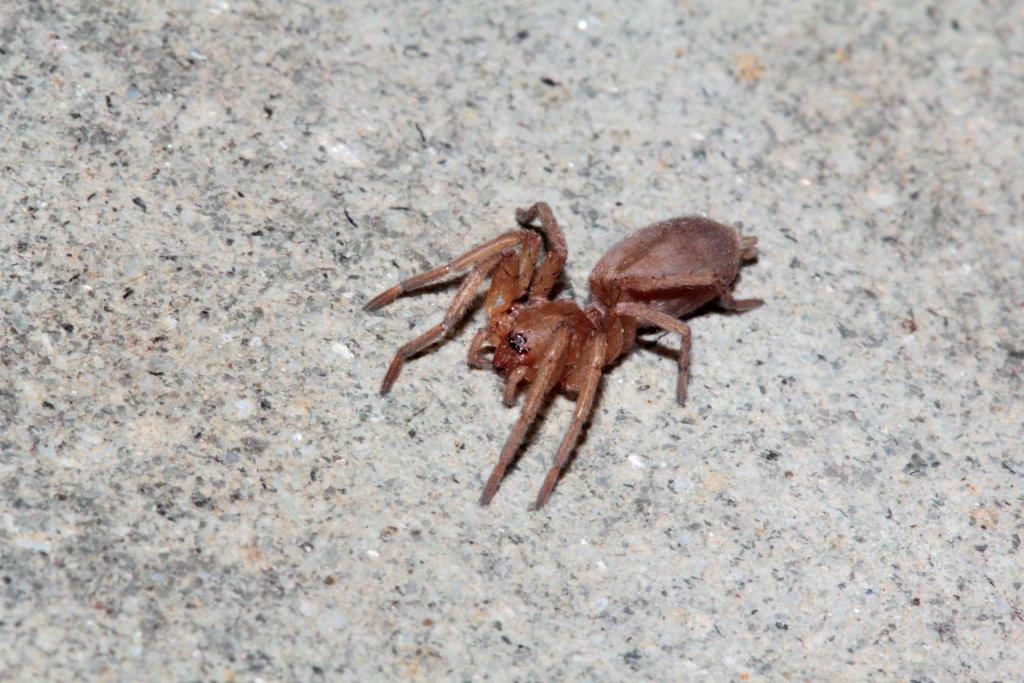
(198, 480)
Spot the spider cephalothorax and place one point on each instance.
(649, 279)
(531, 331)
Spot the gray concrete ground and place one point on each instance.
(198, 480)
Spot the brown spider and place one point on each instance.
(649, 279)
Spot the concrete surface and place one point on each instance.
(199, 482)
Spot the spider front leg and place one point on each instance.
(511, 271)
(594, 358)
(509, 282)
(512, 277)
(557, 250)
(548, 374)
(512, 384)
(475, 357)
(456, 311)
(470, 259)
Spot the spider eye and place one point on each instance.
(517, 341)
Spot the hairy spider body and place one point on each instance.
(649, 279)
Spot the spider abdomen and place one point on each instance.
(688, 246)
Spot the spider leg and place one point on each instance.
(557, 250)
(514, 378)
(702, 279)
(584, 406)
(731, 304)
(475, 358)
(512, 276)
(550, 371)
(651, 283)
(509, 280)
(748, 245)
(458, 308)
(666, 322)
(471, 258)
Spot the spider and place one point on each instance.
(649, 279)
